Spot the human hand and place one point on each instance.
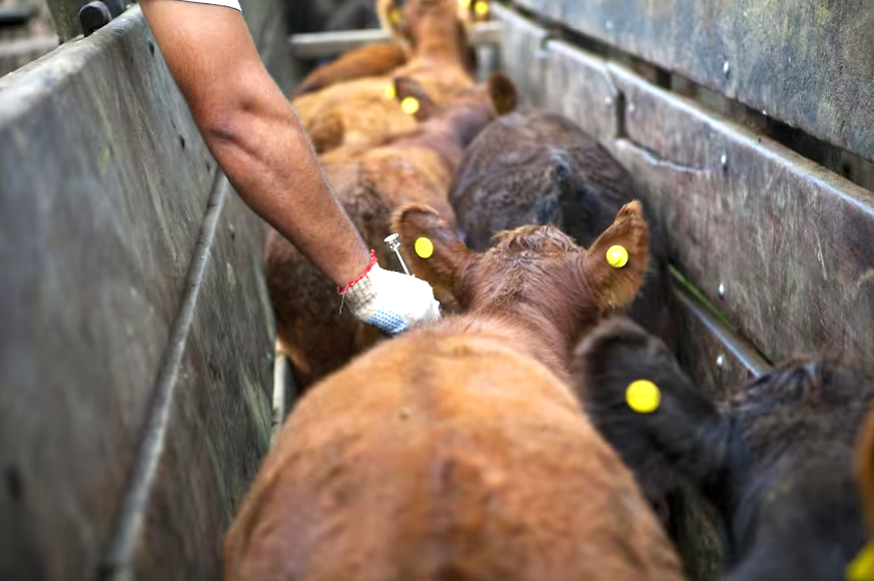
(389, 300)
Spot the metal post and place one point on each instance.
(69, 24)
(65, 15)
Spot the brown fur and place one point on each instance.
(453, 452)
(359, 113)
(369, 183)
(383, 58)
(535, 274)
(865, 471)
(373, 60)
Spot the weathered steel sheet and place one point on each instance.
(220, 420)
(788, 240)
(805, 62)
(99, 212)
(709, 349)
(521, 52)
(105, 185)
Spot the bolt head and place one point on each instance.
(721, 291)
(720, 361)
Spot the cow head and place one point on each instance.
(412, 21)
(498, 96)
(776, 461)
(536, 272)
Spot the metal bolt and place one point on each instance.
(720, 361)
(721, 291)
(726, 68)
(608, 101)
(94, 16)
(723, 161)
(394, 244)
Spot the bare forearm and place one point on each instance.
(269, 160)
(253, 133)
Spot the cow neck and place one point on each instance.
(548, 337)
(450, 133)
(440, 39)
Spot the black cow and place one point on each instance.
(776, 460)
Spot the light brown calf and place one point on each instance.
(455, 452)
(370, 183)
(380, 59)
(364, 112)
(373, 60)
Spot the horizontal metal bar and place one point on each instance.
(325, 44)
(739, 347)
(25, 46)
(16, 15)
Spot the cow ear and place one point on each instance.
(865, 469)
(615, 265)
(472, 11)
(503, 92)
(391, 19)
(635, 393)
(413, 99)
(431, 248)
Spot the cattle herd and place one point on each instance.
(502, 443)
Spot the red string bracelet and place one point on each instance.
(361, 276)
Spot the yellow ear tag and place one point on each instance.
(643, 396)
(424, 248)
(410, 105)
(390, 92)
(481, 9)
(862, 567)
(617, 256)
(394, 16)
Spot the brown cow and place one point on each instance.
(534, 167)
(370, 183)
(382, 58)
(775, 460)
(455, 451)
(364, 112)
(373, 60)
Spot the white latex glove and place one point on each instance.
(391, 301)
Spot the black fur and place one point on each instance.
(534, 167)
(776, 461)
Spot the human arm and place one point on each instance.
(254, 134)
